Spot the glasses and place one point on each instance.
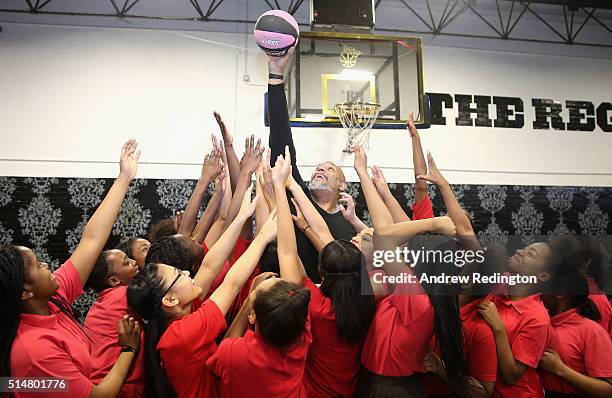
(173, 282)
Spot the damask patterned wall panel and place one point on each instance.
(48, 214)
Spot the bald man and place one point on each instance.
(326, 182)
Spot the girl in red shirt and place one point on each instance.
(180, 330)
(404, 322)
(577, 362)
(39, 335)
(270, 361)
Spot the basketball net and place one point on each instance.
(357, 118)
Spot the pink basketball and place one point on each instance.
(276, 31)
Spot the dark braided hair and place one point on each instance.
(12, 278)
(170, 250)
(144, 296)
(281, 313)
(445, 303)
(342, 266)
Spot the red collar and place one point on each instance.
(564, 317)
(40, 321)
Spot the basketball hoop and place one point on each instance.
(357, 118)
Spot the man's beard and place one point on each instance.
(317, 186)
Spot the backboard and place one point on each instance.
(330, 68)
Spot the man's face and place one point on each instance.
(328, 176)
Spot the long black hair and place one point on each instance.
(445, 302)
(144, 295)
(12, 277)
(342, 266)
(281, 313)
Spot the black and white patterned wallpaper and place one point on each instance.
(48, 214)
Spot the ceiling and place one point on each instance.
(542, 26)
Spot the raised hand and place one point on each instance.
(282, 168)
(433, 174)
(247, 207)
(178, 218)
(266, 182)
(361, 160)
(299, 219)
(252, 155)
(212, 166)
(277, 65)
(228, 139)
(378, 178)
(128, 163)
(349, 212)
(412, 130)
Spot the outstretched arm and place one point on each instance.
(379, 213)
(291, 268)
(99, 227)
(211, 168)
(349, 214)
(212, 207)
(307, 230)
(242, 269)
(221, 250)
(311, 215)
(228, 143)
(420, 167)
(280, 130)
(378, 178)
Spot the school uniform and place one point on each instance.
(602, 303)
(332, 365)
(248, 367)
(582, 345)
(186, 345)
(479, 349)
(55, 346)
(101, 326)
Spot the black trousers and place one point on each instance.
(371, 385)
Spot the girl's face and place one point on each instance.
(140, 248)
(120, 267)
(530, 260)
(181, 290)
(40, 281)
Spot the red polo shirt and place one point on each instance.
(54, 345)
(400, 332)
(528, 328)
(101, 326)
(422, 210)
(479, 348)
(332, 365)
(186, 345)
(248, 367)
(603, 305)
(582, 345)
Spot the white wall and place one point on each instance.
(72, 95)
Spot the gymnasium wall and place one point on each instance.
(72, 95)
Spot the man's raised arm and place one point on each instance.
(278, 114)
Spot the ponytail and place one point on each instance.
(144, 296)
(588, 309)
(342, 267)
